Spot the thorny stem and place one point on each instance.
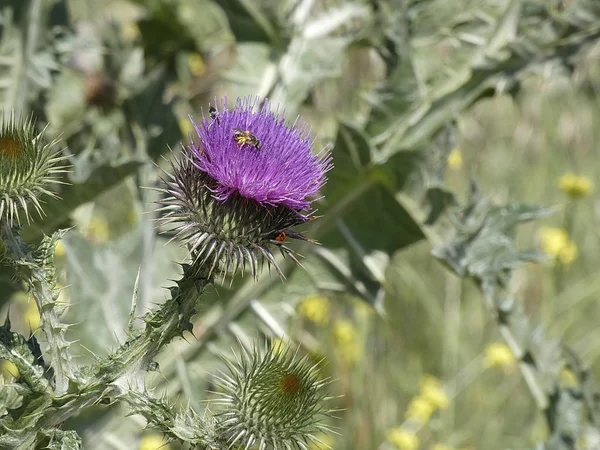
(121, 373)
(43, 292)
(127, 365)
(529, 369)
(162, 416)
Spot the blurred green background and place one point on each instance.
(420, 98)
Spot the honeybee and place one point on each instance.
(244, 137)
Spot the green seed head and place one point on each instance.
(28, 166)
(271, 399)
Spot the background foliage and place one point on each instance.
(449, 120)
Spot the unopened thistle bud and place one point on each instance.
(271, 399)
(244, 182)
(28, 166)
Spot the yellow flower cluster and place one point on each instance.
(154, 441)
(315, 308)
(346, 341)
(556, 243)
(575, 186)
(455, 159)
(499, 355)
(431, 398)
(402, 439)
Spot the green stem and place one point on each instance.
(41, 283)
(126, 367)
(165, 418)
(508, 329)
(121, 374)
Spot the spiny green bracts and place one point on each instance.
(28, 165)
(271, 399)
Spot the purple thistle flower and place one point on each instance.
(282, 171)
(240, 186)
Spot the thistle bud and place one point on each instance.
(270, 399)
(241, 186)
(28, 166)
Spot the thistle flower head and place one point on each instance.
(28, 165)
(245, 180)
(271, 399)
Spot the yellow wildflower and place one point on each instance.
(402, 439)
(8, 369)
(455, 159)
(154, 441)
(346, 341)
(419, 409)
(575, 186)
(315, 308)
(433, 392)
(196, 64)
(343, 332)
(498, 355)
(556, 243)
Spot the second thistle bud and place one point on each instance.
(28, 167)
(270, 399)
